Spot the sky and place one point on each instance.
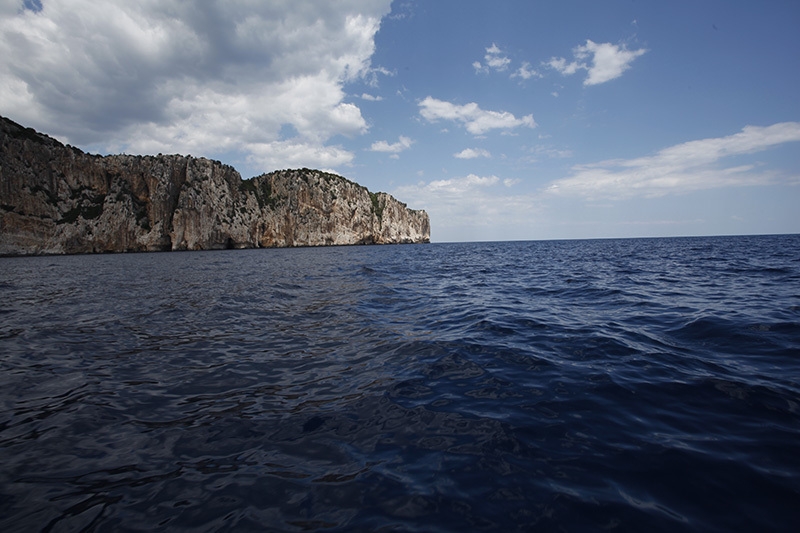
(504, 120)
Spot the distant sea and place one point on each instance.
(630, 385)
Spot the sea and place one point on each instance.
(581, 385)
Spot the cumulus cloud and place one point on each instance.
(476, 120)
(403, 143)
(686, 167)
(199, 77)
(606, 61)
(371, 98)
(472, 153)
(495, 60)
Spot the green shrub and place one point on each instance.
(377, 208)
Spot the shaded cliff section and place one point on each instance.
(56, 199)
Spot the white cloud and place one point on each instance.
(371, 98)
(476, 120)
(472, 153)
(691, 166)
(525, 72)
(608, 61)
(294, 154)
(451, 196)
(567, 69)
(461, 185)
(471, 206)
(548, 151)
(372, 75)
(200, 77)
(403, 143)
(495, 60)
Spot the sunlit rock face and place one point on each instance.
(56, 199)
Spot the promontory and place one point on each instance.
(57, 199)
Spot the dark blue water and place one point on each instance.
(637, 385)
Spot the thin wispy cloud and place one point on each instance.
(403, 143)
(372, 73)
(495, 60)
(476, 120)
(525, 72)
(295, 154)
(472, 153)
(547, 151)
(461, 185)
(603, 62)
(691, 166)
(472, 201)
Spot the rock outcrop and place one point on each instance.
(56, 199)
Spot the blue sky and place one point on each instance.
(504, 120)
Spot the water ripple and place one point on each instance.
(633, 384)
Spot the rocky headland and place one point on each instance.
(56, 199)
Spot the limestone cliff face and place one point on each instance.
(57, 199)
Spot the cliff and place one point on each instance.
(56, 199)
